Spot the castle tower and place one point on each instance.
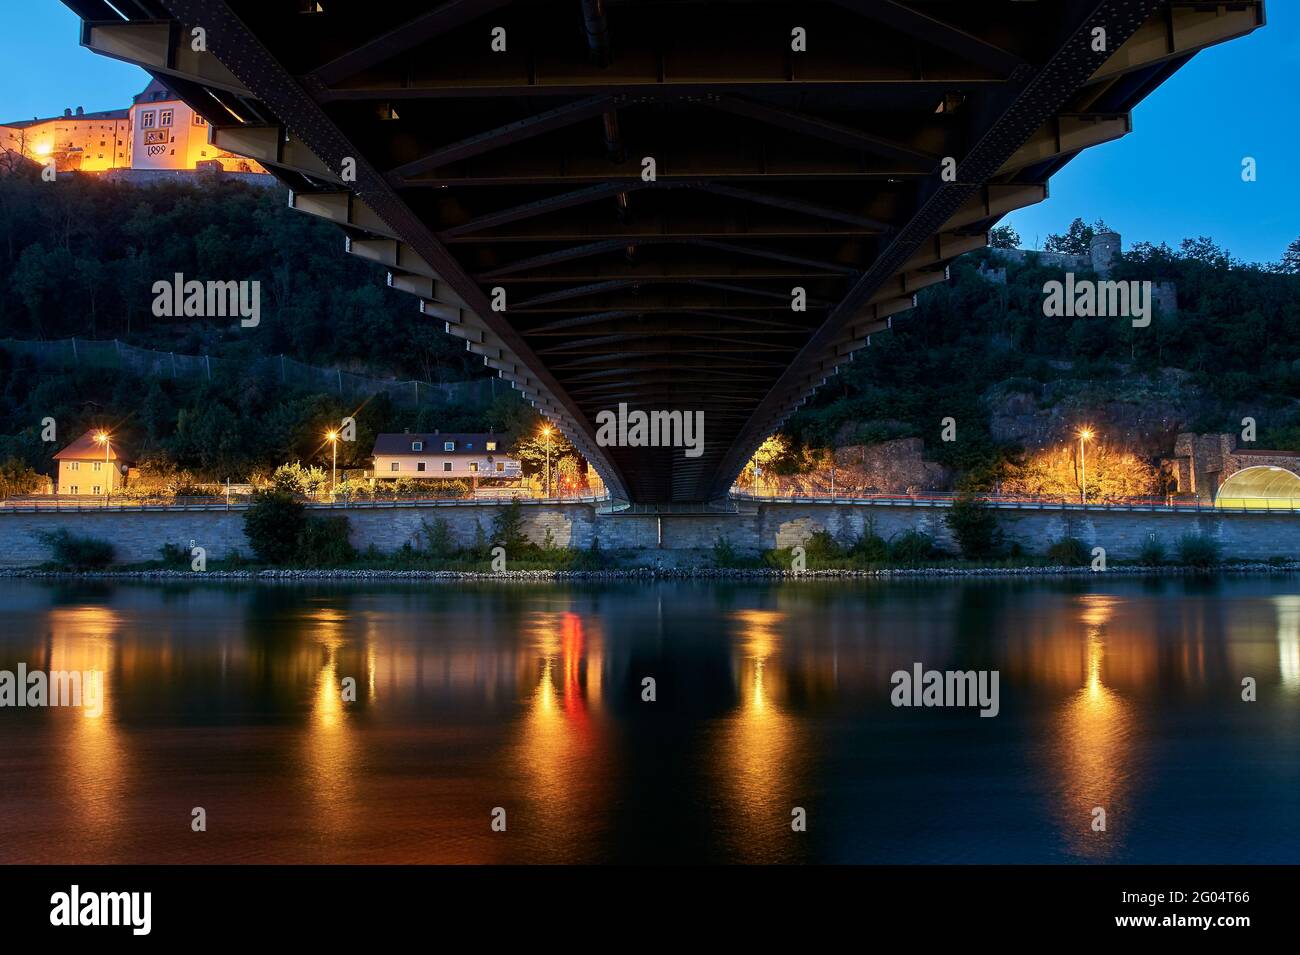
(1105, 247)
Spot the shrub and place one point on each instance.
(911, 547)
(73, 552)
(175, 555)
(1069, 551)
(724, 553)
(323, 542)
(975, 527)
(508, 528)
(273, 525)
(870, 546)
(437, 538)
(1152, 552)
(1197, 550)
(820, 545)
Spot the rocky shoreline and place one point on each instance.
(650, 573)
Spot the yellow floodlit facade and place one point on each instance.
(157, 131)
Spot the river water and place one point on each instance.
(395, 722)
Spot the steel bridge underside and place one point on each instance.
(854, 169)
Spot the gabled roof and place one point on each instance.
(86, 448)
(465, 442)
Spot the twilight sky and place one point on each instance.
(1177, 175)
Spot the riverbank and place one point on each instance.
(651, 573)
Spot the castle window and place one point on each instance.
(146, 119)
(165, 118)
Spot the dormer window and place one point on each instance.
(417, 445)
(491, 445)
(449, 446)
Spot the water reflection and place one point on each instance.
(1092, 751)
(1123, 695)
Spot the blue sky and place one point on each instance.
(1178, 175)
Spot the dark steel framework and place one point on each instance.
(854, 169)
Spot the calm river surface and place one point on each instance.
(1120, 694)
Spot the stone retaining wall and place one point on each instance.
(139, 535)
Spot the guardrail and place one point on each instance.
(71, 505)
(946, 499)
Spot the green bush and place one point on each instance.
(323, 542)
(274, 524)
(820, 545)
(870, 546)
(437, 538)
(508, 529)
(1197, 550)
(73, 552)
(175, 555)
(724, 554)
(911, 547)
(975, 527)
(1069, 552)
(1152, 552)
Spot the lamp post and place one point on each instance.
(1085, 435)
(103, 438)
(546, 433)
(333, 438)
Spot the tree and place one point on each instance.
(274, 525)
(1004, 237)
(1290, 264)
(975, 527)
(1077, 239)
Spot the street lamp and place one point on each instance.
(103, 438)
(333, 438)
(546, 433)
(1085, 435)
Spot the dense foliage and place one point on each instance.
(1236, 340)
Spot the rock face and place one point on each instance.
(891, 467)
(1144, 417)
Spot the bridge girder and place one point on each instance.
(854, 169)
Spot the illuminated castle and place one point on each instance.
(157, 131)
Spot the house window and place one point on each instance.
(500, 466)
(199, 120)
(419, 466)
(393, 466)
(98, 465)
(95, 490)
(446, 465)
(146, 119)
(473, 465)
(73, 489)
(417, 445)
(449, 446)
(72, 465)
(165, 118)
(491, 445)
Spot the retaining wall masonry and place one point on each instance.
(138, 535)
